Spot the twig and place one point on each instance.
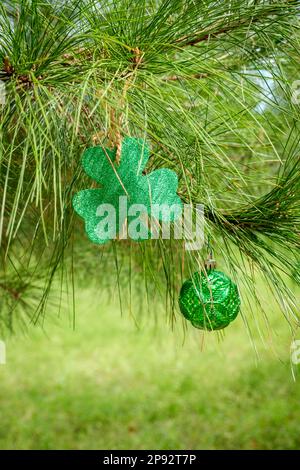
(8, 68)
(13, 292)
(173, 78)
(230, 27)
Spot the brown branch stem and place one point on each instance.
(13, 292)
(173, 78)
(226, 29)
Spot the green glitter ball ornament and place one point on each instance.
(209, 300)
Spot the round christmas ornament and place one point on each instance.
(209, 300)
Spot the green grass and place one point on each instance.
(109, 384)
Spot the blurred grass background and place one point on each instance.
(110, 384)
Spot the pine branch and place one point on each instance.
(235, 26)
(193, 94)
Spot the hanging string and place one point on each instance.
(115, 135)
(210, 262)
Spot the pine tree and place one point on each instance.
(207, 83)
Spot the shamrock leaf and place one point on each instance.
(125, 185)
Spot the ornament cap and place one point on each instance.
(210, 263)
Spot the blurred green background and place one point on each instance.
(112, 384)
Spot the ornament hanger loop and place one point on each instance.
(210, 262)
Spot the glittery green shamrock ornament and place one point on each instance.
(125, 192)
(209, 300)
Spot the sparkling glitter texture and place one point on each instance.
(210, 301)
(125, 179)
